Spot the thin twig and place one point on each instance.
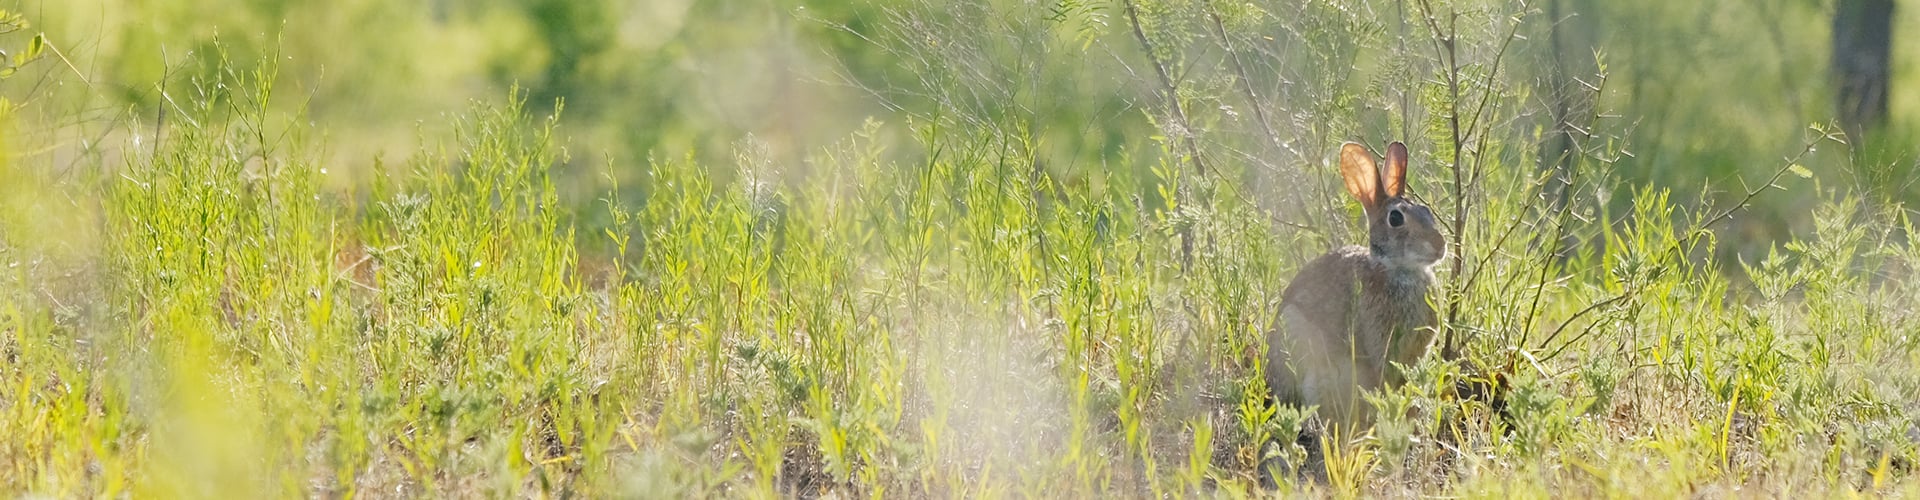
(1624, 295)
(1692, 236)
(1751, 193)
(1240, 70)
(1167, 87)
(1446, 51)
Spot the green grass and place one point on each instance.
(215, 324)
(922, 309)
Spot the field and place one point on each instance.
(676, 249)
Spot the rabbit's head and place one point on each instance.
(1400, 233)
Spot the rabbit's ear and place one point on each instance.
(1396, 179)
(1362, 176)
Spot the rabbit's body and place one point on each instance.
(1347, 316)
(1353, 312)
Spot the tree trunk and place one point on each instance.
(1862, 45)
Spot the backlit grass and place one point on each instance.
(922, 309)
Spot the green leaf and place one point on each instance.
(1800, 171)
(36, 47)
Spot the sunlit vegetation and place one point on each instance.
(910, 249)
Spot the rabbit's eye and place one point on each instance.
(1395, 218)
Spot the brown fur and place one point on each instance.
(1353, 312)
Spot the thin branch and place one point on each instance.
(1584, 333)
(1167, 87)
(1546, 264)
(1446, 51)
(1487, 94)
(1692, 236)
(1240, 70)
(1750, 194)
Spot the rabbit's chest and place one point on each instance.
(1397, 301)
(1398, 318)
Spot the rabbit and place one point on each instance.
(1354, 310)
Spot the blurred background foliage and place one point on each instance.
(1115, 188)
(1700, 97)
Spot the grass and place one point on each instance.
(921, 309)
